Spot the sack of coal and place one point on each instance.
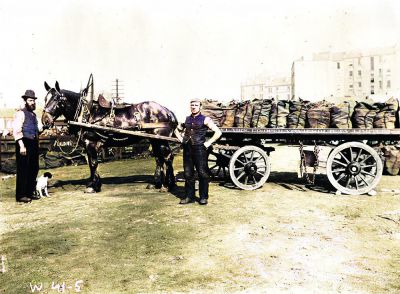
(297, 114)
(318, 115)
(363, 115)
(229, 114)
(261, 112)
(243, 115)
(387, 116)
(278, 114)
(214, 110)
(392, 160)
(341, 115)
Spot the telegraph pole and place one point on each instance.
(118, 91)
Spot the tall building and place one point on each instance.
(373, 73)
(278, 88)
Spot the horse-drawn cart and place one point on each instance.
(347, 157)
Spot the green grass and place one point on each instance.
(129, 239)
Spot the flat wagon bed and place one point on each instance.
(348, 156)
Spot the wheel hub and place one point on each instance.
(354, 168)
(250, 168)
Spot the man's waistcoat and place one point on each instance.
(30, 125)
(195, 130)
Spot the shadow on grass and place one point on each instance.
(107, 181)
(289, 181)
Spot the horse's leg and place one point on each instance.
(94, 184)
(159, 175)
(169, 168)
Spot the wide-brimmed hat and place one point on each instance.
(29, 94)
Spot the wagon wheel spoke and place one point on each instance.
(368, 165)
(341, 177)
(358, 155)
(339, 162)
(245, 180)
(348, 180)
(260, 173)
(362, 179)
(252, 155)
(338, 170)
(261, 166)
(214, 166)
(219, 169)
(241, 175)
(238, 168)
(365, 159)
(367, 173)
(351, 154)
(355, 178)
(344, 157)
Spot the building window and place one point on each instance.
(372, 63)
(372, 90)
(380, 84)
(351, 73)
(372, 80)
(388, 84)
(359, 84)
(338, 65)
(380, 72)
(276, 89)
(351, 86)
(359, 73)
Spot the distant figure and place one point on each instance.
(41, 184)
(26, 135)
(195, 151)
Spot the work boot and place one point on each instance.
(186, 200)
(24, 200)
(203, 201)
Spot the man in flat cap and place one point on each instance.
(26, 135)
(195, 151)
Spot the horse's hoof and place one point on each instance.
(90, 190)
(163, 190)
(150, 186)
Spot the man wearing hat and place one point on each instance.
(195, 151)
(26, 135)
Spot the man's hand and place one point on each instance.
(207, 144)
(22, 150)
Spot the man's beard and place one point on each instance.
(30, 107)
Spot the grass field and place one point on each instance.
(283, 238)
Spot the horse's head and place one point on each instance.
(58, 102)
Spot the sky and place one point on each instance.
(172, 51)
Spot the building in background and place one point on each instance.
(265, 88)
(373, 73)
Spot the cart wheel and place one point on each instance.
(354, 168)
(249, 167)
(218, 162)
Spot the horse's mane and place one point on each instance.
(71, 94)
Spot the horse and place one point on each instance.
(127, 117)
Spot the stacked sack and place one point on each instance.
(318, 115)
(297, 116)
(268, 113)
(261, 113)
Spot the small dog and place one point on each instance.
(41, 185)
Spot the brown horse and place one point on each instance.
(127, 116)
